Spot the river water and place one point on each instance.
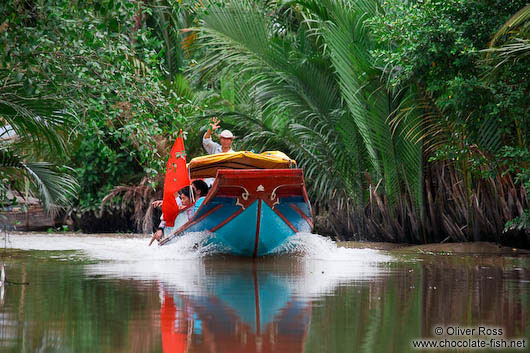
(115, 294)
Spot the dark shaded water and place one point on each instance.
(116, 295)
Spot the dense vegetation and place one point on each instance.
(410, 118)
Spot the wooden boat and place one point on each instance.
(256, 202)
(26, 215)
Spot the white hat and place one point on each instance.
(227, 134)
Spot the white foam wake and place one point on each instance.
(115, 248)
(316, 247)
(191, 246)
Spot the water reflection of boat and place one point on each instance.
(245, 311)
(255, 204)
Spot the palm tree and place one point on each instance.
(306, 83)
(171, 21)
(34, 125)
(286, 90)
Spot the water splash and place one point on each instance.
(316, 247)
(326, 265)
(190, 246)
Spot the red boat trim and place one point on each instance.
(306, 198)
(301, 213)
(189, 224)
(285, 220)
(258, 221)
(256, 296)
(227, 220)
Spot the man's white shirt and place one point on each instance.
(212, 147)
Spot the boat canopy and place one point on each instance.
(207, 166)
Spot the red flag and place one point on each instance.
(176, 178)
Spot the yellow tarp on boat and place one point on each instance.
(207, 166)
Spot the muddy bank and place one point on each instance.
(471, 248)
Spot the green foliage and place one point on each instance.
(471, 111)
(171, 22)
(395, 159)
(297, 90)
(103, 63)
(32, 127)
(37, 120)
(515, 161)
(436, 46)
(437, 39)
(521, 223)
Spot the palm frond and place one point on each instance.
(166, 17)
(395, 159)
(516, 50)
(314, 93)
(39, 120)
(515, 38)
(418, 119)
(520, 21)
(54, 185)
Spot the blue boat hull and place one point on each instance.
(253, 212)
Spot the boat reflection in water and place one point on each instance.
(217, 303)
(242, 310)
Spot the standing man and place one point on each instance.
(226, 138)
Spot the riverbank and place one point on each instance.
(445, 248)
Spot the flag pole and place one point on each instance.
(191, 186)
(189, 176)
